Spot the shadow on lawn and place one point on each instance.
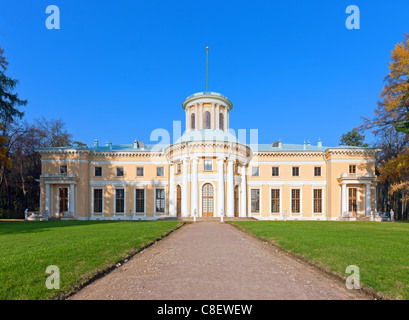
(43, 226)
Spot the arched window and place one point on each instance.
(221, 121)
(193, 122)
(207, 120)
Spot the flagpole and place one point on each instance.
(207, 69)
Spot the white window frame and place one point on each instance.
(116, 171)
(211, 165)
(260, 195)
(258, 171)
(323, 201)
(102, 170)
(163, 171)
(299, 171)
(278, 171)
(154, 203)
(120, 213)
(143, 171)
(300, 214)
(139, 214)
(99, 214)
(275, 214)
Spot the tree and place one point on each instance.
(52, 133)
(9, 100)
(393, 108)
(353, 138)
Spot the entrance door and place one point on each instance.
(178, 201)
(207, 200)
(236, 201)
(352, 201)
(63, 201)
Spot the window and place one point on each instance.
(63, 200)
(275, 200)
(178, 168)
(236, 168)
(139, 200)
(139, 171)
(317, 171)
(221, 121)
(274, 171)
(98, 171)
(63, 169)
(208, 165)
(119, 171)
(192, 121)
(317, 200)
(160, 200)
(352, 168)
(119, 200)
(296, 171)
(207, 120)
(160, 171)
(352, 201)
(98, 200)
(255, 200)
(295, 200)
(255, 171)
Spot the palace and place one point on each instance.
(208, 172)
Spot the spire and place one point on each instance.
(207, 69)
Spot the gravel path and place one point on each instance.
(211, 260)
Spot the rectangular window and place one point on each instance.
(274, 171)
(255, 171)
(63, 169)
(317, 200)
(236, 168)
(160, 201)
(296, 171)
(98, 200)
(317, 171)
(178, 168)
(63, 200)
(119, 171)
(275, 200)
(139, 200)
(119, 200)
(208, 165)
(352, 168)
(255, 200)
(295, 200)
(160, 171)
(352, 201)
(139, 171)
(98, 171)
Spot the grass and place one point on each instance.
(79, 248)
(380, 250)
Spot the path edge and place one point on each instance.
(335, 275)
(100, 273)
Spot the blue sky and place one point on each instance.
(116, 70)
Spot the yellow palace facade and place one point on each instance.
(207, 172)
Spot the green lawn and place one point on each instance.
(78, 248)
(380, 250)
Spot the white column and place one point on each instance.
(243, 206)
(201, 117)
(185, 213)
(172, 211)
(368, 200)
(47, 200)
(220, 185)
(71, 208)
(214, 125)
(344, 207)
(194, 194)
(217, 116)
(230, 189)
